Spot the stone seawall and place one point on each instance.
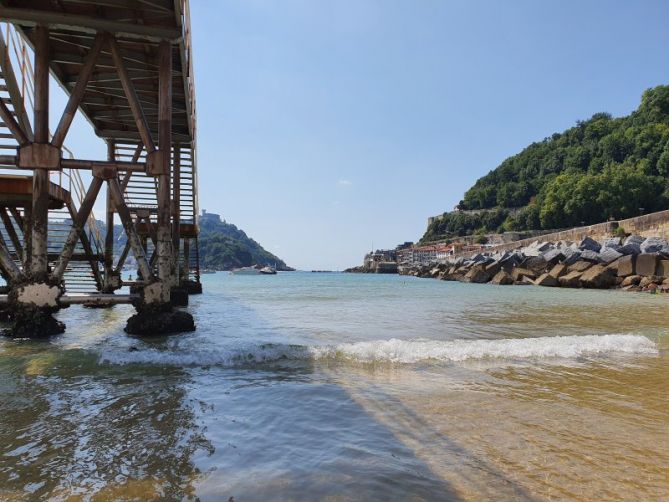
(648, 225)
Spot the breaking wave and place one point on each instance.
(394, 351)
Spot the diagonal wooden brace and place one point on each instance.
(122, 258)
(77, 92)
(88, 249)
(77, 228)
(131, 95)
(10, 269)
(11, 231)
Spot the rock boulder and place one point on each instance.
(633, 239)
(612, 243)
(571, 279)
(571, 256)
(626, 266)
(630, 280)
(580, 266)
(546, 280)
(589, 244)
(663, 268)
(536, 264)
(646, 263)
(558, 270)
(518, 273)
(502, 278)
(653, 245)
(630, 249)
(647, 281)
(608, 255)
(553, 256)
(598, 277)
(591, 256)
(477, 274)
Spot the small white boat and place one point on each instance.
(246, 271)
(255, 270)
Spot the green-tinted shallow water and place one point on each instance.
(345, 387)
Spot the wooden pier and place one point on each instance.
(126, 65)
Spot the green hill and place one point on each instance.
(603, 167)
(223, 246)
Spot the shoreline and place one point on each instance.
(634, 264)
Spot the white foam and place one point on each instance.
(395, 351)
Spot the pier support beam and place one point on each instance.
(111, 282)
(155, 313)
(32, 305)
(34, 295)
(40, 209)
(164, 233)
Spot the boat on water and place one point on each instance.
(254, 270)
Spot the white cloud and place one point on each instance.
(345, 183)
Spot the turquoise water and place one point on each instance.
(347, 387)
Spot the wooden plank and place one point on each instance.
(87, 24)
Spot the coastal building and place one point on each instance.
(444, 251)
(380, 256)
(409, 254)
(405, 256)
(424, 255)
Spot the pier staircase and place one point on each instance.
(140, 196)
(67, 187)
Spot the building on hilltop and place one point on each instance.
(212, 217)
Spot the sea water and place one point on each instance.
(307, 386)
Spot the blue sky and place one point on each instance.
(326, 126)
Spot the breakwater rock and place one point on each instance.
(634, 263)
(384, 267)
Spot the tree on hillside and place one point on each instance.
(599, 168)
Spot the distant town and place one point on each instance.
(409, 254)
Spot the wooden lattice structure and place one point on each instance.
(126, 65)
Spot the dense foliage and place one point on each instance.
(603, 167)
(465, 223)
(223, 247)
